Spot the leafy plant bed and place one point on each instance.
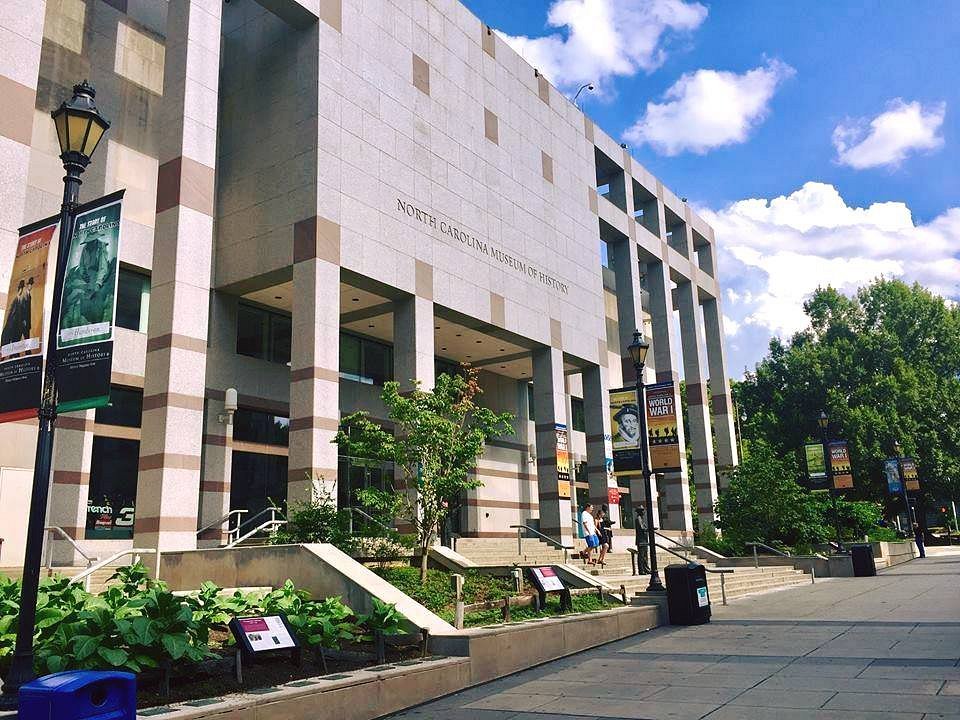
(581, 603)
(215, 677)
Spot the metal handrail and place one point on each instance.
(676, 544)
(756, 557)
(559, 545)
(63, 534)
(225, 519)
(271, 511)
(136, 552)
(722, 572)
(270, 525)
(365, 515)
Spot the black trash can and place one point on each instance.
(688, 600)
(80, 695)
(863, 563)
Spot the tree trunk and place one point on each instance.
(424, 556)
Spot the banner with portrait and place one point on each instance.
(22, 338)
(911, 477)
(88, 306)
(840, 468)
(891, 473)
(662, 427)
(625, 430)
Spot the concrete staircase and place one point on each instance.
(617, 570)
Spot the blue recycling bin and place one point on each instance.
(80, 695)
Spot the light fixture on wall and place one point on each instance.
(531, 454)
(229, 406)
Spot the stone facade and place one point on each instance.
(390, 171)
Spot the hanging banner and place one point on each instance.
(563, 461)
(840, 467)
(816, 466)
(88, 306)
(662, 427)
(891, 472)
(625, 430)
(22, 338)
(911, 478)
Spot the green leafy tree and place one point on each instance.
(885, 365)
(438, 437)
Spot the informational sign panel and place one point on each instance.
(816, 466)
(547, 580)
(563, 461)
(22, 336)
(911, 478)
(662, 427)
(703, 596)
(840, 467)
(263, 634)
(625, 430)
(88, 306)
(891, 472)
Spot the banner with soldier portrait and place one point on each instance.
(625, 430)
(22, 338)
(88, 306)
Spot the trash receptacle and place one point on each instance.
(863, 562)
(688, 600)
(80, 695)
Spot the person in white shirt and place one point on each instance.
(589, 527)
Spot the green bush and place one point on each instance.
(437, 593)
(138, 624)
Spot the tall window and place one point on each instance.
(530, 415)
(133, 300)
(257, 481)
(125, 408)
(263, 334)
(576, 411)
(260, 427)
(365, 361)
(113, 489)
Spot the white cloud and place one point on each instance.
(605, 38)
(774, 253)
(888, 138)
(707, 109)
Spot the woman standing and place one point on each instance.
(604, 533)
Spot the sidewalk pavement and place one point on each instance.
(883, 648)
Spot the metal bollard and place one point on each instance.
(506, 609)
(723, 587)
(623, 593)
(756, 560)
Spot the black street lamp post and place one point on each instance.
(638, 353)
(823, 421)
(79, 130)
(911, 519)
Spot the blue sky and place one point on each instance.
(821, 139)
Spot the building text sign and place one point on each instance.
(483, 248)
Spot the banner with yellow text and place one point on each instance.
(840, 468)
(662, 428)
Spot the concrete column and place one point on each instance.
(698, 413)
(70, 483)
(413, 354)
(549, 404)
(629, 301)
(168, 487)
(217, 467)
(677, 515)
(721, 402)
(21, 32)
(596, 412)
(315, 362)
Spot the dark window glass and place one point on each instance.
(251, 332)
(530, 402)
(113, 489)
(281, 330)
(377, 363)
(350, 365)
(576, 412)
(260, 427)
(257, 481)
(125, 408)
(263, 334)
(130, 288)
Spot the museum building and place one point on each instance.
(324, 195)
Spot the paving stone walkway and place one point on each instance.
(845, 649)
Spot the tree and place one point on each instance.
(438, 437)
(885, 365)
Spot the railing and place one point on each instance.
(366, 516)
(269, 526)
(136, 552)
(756, 557)
(232, 532)
(546, 538)
(57, 530)
(722, 572)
